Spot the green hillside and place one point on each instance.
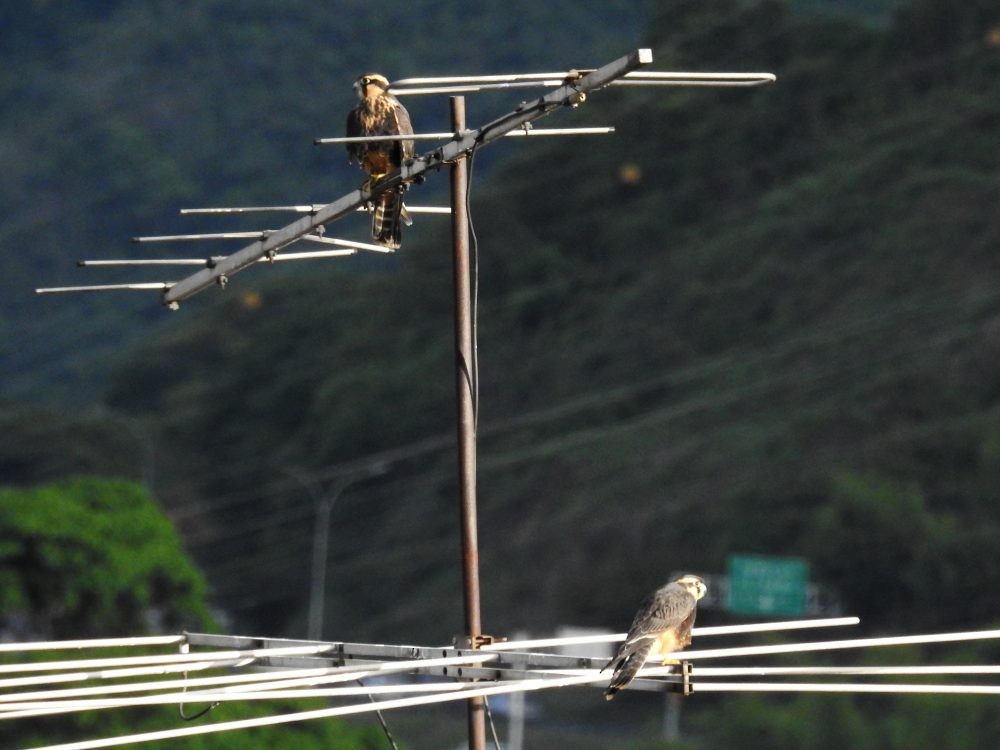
(777, 340)
(752, 321)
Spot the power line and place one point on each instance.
(901, 315)
(764, 386)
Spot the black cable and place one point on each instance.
(541, 106)
(493, 727)
(474, 269)
(381, 720)
(192, 717)
(180, 711)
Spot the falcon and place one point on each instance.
(662, 625)
(380, 113)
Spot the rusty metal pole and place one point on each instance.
(466, 412)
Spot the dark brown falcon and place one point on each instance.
(662, 625)
(380, 113)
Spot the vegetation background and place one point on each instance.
(752, 321)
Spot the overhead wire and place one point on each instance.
(493, 726)
(903, 313)
(888, 318)
(474, 270)
(381, 719)
(759, 390)
(721, 399)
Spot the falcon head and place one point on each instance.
(371, 85)
(694, 585)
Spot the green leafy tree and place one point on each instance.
(92, 557)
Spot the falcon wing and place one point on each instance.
(353, 130)
(645, 628)
(685, 628)
(401, 125)
(669, 607)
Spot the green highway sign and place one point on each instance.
(760, 585)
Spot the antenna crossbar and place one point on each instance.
(152, 640)
(761, 627)
(564, 75)
(156, 286)
(604, 130)
(213, 260)
(473, 84)
(302, 209)
(259, 234)
(843, 687)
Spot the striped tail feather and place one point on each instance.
(626, 666)
(387, 216)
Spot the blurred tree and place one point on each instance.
(92, 557)
(895, 557)
(52, 444)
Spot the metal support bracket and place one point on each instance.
(476, 641)
(684, 686)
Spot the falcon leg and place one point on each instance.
(371, 182)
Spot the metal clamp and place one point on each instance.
(476, 641)
(684, 687)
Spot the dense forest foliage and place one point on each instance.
(753, 320)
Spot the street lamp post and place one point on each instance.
(324, 502)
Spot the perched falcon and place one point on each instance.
(662, 625)
(380, 113)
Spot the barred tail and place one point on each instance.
(387, 217)
(626, 668)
